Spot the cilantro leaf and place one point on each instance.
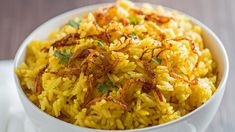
(134, 20)
(74, 24)
(63, 56)
(103, 88)
(157, 60)
(100, 43)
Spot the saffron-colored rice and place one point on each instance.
(120, 67)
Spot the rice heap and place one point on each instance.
(120, 67)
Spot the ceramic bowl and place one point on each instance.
(196, 121)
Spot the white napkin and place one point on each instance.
(12, 114)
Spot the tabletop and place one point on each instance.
(19, 17)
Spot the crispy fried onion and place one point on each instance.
(87, 56)
(143, 53)
(38, 79)
(124, 45)
(81, 53)
(166, 46)
(194, 47)
(107, 35)
(90, 88)
(105, 67)
(67, 73)
(45, 50)
(148, 86)
(157, 18)
(128, 89)
(149, 71)
(64, 41)
(104, 15)
(112, 34)
(158, 95)
(122, 104)
(137, 11)
(124, 21)
(152, 51)
(84, 53)
(175, 75)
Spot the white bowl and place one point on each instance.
(196, 121)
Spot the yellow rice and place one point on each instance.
(64, 96)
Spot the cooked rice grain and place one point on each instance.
(120, 67)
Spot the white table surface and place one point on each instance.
(12, 115)
(14, 119)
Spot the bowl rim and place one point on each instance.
(24, 44)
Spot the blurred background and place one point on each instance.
(19, 17)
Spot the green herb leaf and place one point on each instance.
(74, 24)
(100, 43)
(134, 20)
(63, 56)
(103, 88)
(157, 60)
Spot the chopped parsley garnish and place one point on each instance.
(100, 43)
(105, 87)
(74, 24)
(63, 56)
(134, 20)
(157, 60)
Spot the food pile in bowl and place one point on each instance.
(120, 67)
